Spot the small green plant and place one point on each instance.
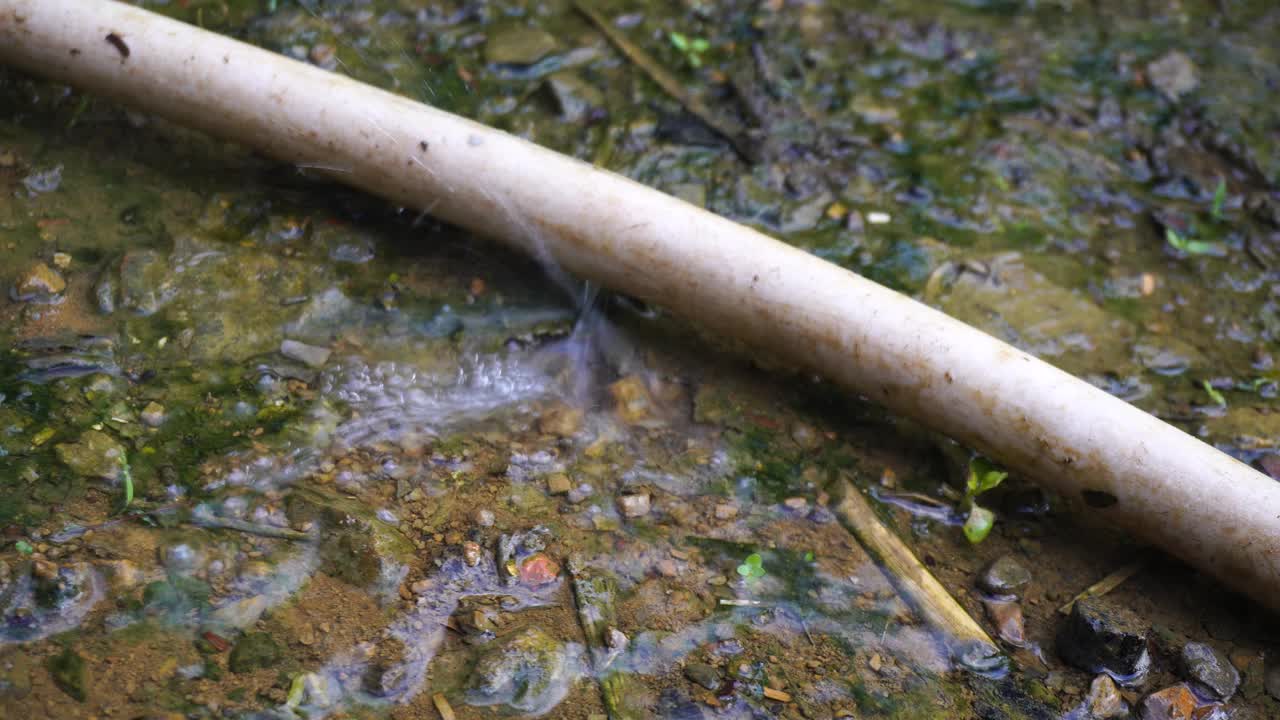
(126, 479)
(983, 476)
(1219, 199)
(1214, 395)
(24, 547)
(691, 47)
(1191, 247)
(752, 568)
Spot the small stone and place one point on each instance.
(703, 674)
(559, 484)
(539, 569)
(153, 414)
(580, 493)
(805, 436)
(309, 355)
(1005, 576)
(668, 568)
(518, 45)
(1208, 669)
(420, 587)
(560, 420)
(875, 663)
(1006, 615)
(1104, 701)
(1174, 75)
(575, 97)
(61, 260)
(634, 506)
(797, 504)
(1100, 637)
(726, 511)
(471, 553)
(1172, 703)
(484, 518)
(1271, 675)
(631, 400)
(95, 454)
(40, 283)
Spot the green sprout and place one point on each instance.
(1189, 246)
(983, 476)
(126, 477)
(752, 567)
(1219, 199)
(691, 48)
(24, 547)
(1214, 395)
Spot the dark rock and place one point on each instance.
(254, 651)
(1271, 676)
(1210, 670)
(703, 674)
(70, 673)
(575, 97)
(1172, 703)
(518, 45)
(1004, 576)
(1099, 637)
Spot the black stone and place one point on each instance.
(1099, 637)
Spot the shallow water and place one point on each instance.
(270, 448)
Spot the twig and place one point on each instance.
(727, 128)
(1105, 585)
(443, 707)
(969, 642)
(213, 521)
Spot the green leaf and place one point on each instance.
(1188, 246)
(1213, 393)
(978, 525)
(126, 478)
(1219, 199)
(296, 690)
(24, 547)
(983, 476)
(679, 42)
(700, 45)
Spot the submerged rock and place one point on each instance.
(1208, 669)
(1174, 75)
(254, 651)
(96, 454)
(1172, 703)
(1104, 701)
(1004, 576)
(518, 45)
(575, 97)
(1099, 637)
(309, 355)
(40, 283)
(530, 673)
(70, 674)
(703, 674)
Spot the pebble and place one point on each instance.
(539, 569)
(796, 503)
(633, 506)
(1104, 701)
(1172, 703)
(1006, 615)
(1004, 576)
(703, 674)
(726, 511)
(560, 420)
(580, 493)
(1209, 669)
(471, 553)
(484, 518)
(1174, 75)
(518, 45)
(631, 400)
(153, 414)
(559, 484)
(668, 568)
(309, 355)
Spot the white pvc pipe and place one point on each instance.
(1170, 489)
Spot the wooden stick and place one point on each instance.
(1112, 581)
(921, 590)
(1162, 485)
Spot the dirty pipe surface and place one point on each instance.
(1159, 483)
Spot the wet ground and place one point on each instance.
(271, 448)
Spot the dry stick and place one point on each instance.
(1169, 489)
(723, 126)
(922, 591)
(1106, 584)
